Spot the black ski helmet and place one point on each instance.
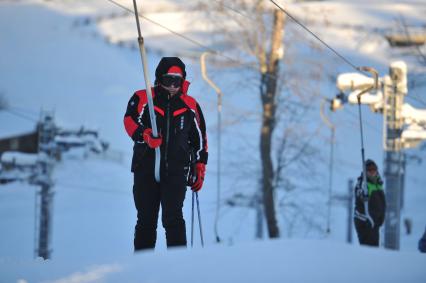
(370, 164)
(165, 64)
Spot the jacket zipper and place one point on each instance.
(167, 135)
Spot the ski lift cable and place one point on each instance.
(337, 53)
(237, 61)
(234, 10)
(27, 111)
(303, 26)
(206, 48)
(318, 38)
(23, 116)
(163, 26)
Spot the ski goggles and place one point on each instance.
(169, 80)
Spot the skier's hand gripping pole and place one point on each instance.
(149, 93)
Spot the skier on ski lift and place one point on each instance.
(182, 130)
(368, 234)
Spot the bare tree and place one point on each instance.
(265, 44)
(258, 31)
(301, 199)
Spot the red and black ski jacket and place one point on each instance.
(180, 122)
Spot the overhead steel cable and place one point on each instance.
(248, 65)
(23, 116)
(233, 9)
(418, 99)
(163, 26)
(317, 37)
(206, 48)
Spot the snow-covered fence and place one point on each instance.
(17, 166)
(14, 159)
(82, 137)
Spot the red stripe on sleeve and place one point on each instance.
(130, 125)
(143, 98)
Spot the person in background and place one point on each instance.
(368, 234)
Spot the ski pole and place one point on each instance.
(199, 220)
(192, 221)
(148, 92)
(364, 171)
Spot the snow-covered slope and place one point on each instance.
(273, 261)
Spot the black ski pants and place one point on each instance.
(367, 235)
(148, 196)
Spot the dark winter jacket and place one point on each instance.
(376, 200)
(180, 122)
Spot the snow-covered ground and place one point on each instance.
(49, 60)
(272, 261)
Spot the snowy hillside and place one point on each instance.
(273, 261)
(73, 57)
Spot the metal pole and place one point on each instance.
(45, 222)
(35, 223)
(395, 90)
(148, 92)
(392, 178)
(192, 221)
(199, 220)
(46, 151)
(219, 137)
